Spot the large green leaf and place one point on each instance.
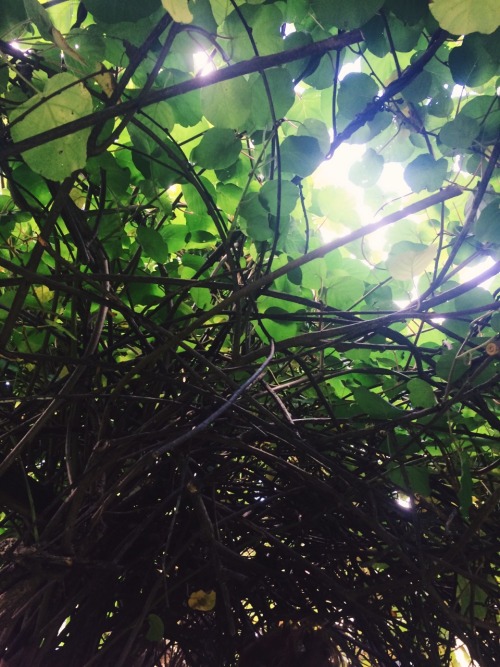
(487, 227)
(179, 10)
(255, 218)
(421, 393)
(153, 244)
(355, 92)
(425, 173)
(114, 11)
(374, 405)
(218, 149)
(228, 104)
(471, 64)
(63, 100)
(289, 194)
(13, 18)
(280, 85)
(459, 132)
(461, 17)
(408, 260)
(344, 15)
(301, 156)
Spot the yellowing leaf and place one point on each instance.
(178, 10)
(43, 294)
(461, 17)
(106, 81)
(202, 600)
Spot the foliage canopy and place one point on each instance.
(249, 382)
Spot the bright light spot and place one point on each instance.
(461, 655)
(404, 501)
(392, 180)
(349, 68)
(335, 172)
(289, 28)
(64, 624)
(457, 91)
(203, 64)
(470, 272)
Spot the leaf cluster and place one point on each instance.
(247, 389)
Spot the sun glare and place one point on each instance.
(203, 63)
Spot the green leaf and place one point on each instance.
(283, 96)
(461, 17)
(178, 10)
(313, 127)
(460, 132)
(40, 17)
(449, 367)
(487, 227)
(221, 9)
(255, 217)
(156, 628)
(425, 173)
(374, 405)
(155, 118)
(114, 11)
(419, 88)
(59, 158)
(470, 64)
(337, 205)
(495, 323)
(268, 197)
(153, 244)
(13, 19)
(368, 170)
(409, 11)
(301, 156)
(408, 260)
(356, 90)
(441, 104)
(344, 292)
(228, 104)
(421, 393)
(218, 149)
(411, 478)
(344, 15)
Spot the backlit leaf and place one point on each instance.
(460, 17)
(59, 158)
(408, 260)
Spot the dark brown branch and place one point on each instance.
(256, 64)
